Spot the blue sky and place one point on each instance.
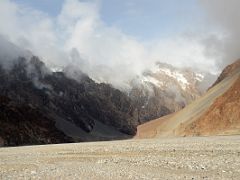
(151, 18)
(52, 7)
(143, 19)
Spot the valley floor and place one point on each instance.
(172, 158)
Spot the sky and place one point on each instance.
(51, 7)
(143, 19)
(115, 40)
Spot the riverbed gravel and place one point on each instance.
(167, 158)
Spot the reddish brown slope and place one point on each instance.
(223, 117)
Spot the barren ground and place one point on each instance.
(168, 158)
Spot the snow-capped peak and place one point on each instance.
(152, 80)
(164, 75)
(175, 75)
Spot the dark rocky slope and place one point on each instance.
(24, 125)
(94, 111)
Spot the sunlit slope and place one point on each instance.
(182, 122)
(222, 118)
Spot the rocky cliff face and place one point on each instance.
(165, 90)
(82, 103)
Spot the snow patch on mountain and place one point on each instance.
(56, 69)
(181, 76)
(199, 77)
(149, 79)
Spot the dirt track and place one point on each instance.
(177, 158)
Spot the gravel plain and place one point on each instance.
(167, 158)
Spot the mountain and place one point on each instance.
(76, 110)
(166, 89)
(215, 113)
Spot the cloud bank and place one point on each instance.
(78, 37)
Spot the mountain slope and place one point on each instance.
(214, 113)
(223, 116)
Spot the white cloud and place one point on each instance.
(79, 37)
